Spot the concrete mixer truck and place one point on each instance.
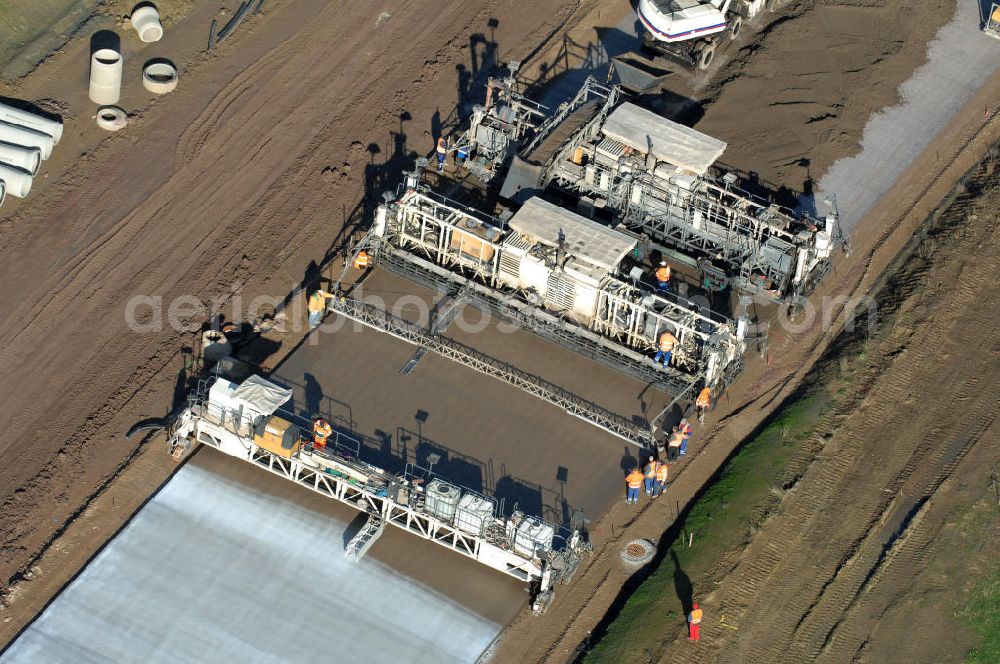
(689, 31)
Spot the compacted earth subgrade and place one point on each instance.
(847, 552)
(230, 186)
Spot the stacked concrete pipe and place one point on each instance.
(19, 135)
(21, 156)
(16, 116)
(18, 182)
(106, 76)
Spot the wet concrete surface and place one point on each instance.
(229, 563)
(490, 437)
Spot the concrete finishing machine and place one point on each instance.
(662, 179)
(247, 421)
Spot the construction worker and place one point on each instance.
(660, 481)
(633, 481)
(674, 444)
(649, 475)
(321, 432)
(442, 153)
(703, 403)
(363, 261)
(694, 623)
(667, 343)
(317, 307)
(684, 428)
(662, 275)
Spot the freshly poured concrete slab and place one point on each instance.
(960, 60)
(228, 563)
(487, 435)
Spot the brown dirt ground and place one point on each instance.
(863, 561)
(235, 181)
(145, 211)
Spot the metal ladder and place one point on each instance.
(365, 538)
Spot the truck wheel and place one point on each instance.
(735, 27)
(706, 55)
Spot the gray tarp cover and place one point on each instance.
(262, 395)
(674, 143)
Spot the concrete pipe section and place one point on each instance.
(21, 156)
(18, 182)
(111, 118)
(159, 77)
(33, 121)
(18, 135)
(105, 76)
(146, 21)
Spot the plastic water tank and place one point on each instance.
(441, 500)
(473, 514)
(532, 535)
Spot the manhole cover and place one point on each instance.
(638, 552)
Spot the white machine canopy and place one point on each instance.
(584, 239)
(261, 395)
(645, 131)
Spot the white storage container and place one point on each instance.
(441, 500)
(533, 535)
(473, 514)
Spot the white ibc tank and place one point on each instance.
(473, 514)
(442, 500)
(533, 535)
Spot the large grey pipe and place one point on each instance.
(20, 156)
(18, 182)
(18, 135)
(105, 76)
(16, 116)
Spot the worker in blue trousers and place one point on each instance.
(649, 475)
(685, 430)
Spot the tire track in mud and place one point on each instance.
(795, 602)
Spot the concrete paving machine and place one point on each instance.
(249, 421)
(553, 272)
(689, 31)
(659, 178)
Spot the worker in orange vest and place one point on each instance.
(633, 481)
(703, 403)
(674, 444)
(321, 432)
(649, 475)
(660, 480)
(684, 428)
(317, 307)
(363, 261)
(694, 623)
(442, 153)
(663, 276)
(667, 343)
